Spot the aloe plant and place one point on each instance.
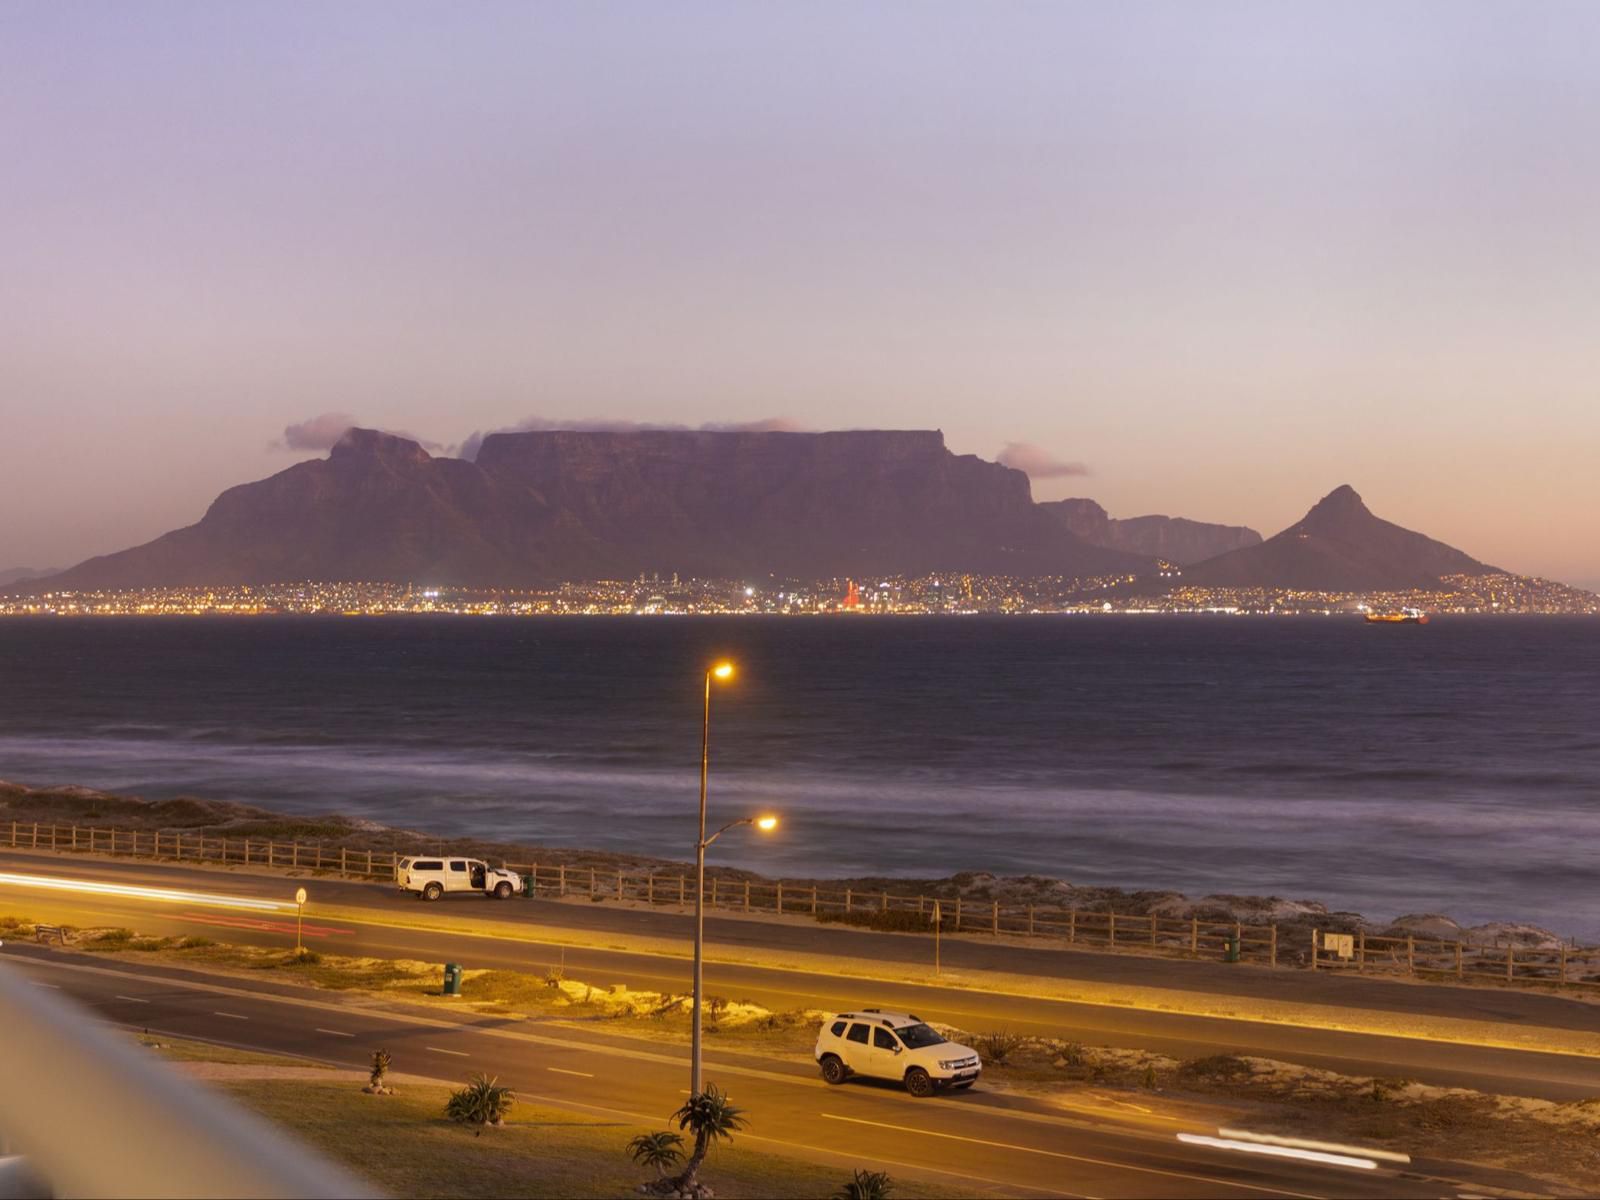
(660, 1150)
(482, 1102)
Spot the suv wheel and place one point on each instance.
(918, 1083)
(502, 890)
(433, 891)
(833, 1069)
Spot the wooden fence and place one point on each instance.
(1185, 937)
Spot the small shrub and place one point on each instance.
(660, 1151)
(306, 958)
(866, 1185)
(482, 1102)
(194, 943)
(10, 922)
(553, 976)
(1149, 1079)
(378, 1079)
(715, 1008)
(893, 920)
(998, 1045)
(112, 939)
(1215, 1066)
(1072, 1055)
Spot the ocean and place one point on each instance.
(1453, 767)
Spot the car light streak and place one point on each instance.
(1245, 1135)
(130, 891)
(1316, 1156)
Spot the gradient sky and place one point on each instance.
(1227, 255)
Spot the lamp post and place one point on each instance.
(299, 912)
(723, 670)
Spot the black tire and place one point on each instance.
(833, 1069)
(502, 890)
(433, 891)
(918, 1083)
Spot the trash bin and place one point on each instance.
(452, 979)
(527, 885)
(1232, 954)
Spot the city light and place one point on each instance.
(723, 670)
(766, 824)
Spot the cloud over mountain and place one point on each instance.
(470, 446)
(1037, 462)
(315, 433)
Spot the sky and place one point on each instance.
(1210, 260)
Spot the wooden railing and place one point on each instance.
(1181, 937)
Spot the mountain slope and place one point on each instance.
(553, 505)
(1338, 546)
(1175, 539)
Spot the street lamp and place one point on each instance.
(723, 671)
(766, 824)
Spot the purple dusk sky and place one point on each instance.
(1226, 255)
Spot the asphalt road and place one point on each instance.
(966, 1139)
(382, 930)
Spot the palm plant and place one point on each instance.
(657, 1150)
(710, 1117)
(866, 1185)
(481, 1102)
(378, 1080)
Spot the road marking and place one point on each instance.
(131, 999)
(564, 1071)
(457, 1053)
(40, 983)
(230, 1016)
(1098, 1162)
(332, 1032)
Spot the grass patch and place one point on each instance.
(894, 920)
(182, 1050)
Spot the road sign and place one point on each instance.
(1341, 944)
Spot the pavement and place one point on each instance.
(970, 1140)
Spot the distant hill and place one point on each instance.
(1175, 539)
(556, 505)
(22, 574)
(1339, 546)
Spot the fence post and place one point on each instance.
(1361, 951)
(884, 906)
(1411, 953)
(619, 886)
(342, 854)
(1194, 935)
(222, 850)
(74, 837)
(1152, 929)
(714, 882)
(269, 852)
(1563, 980)
(747, 895)
(1273, 960)
(1111, 927)
(958, 913)
(995, 928)
(681, 902)
(294, 854)
(591, 883)
(1511, 961)
(650, 888)
(847, 901)
(561, 880)
(1460, 973)
(1072, 925)
(36, 835)
(1030, 920)
(13, 835)
(813, 899)
(780, 899)
(369, 863)
(1313, 948)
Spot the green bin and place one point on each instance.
(1232, 954)
(528, 885)
(452, 979)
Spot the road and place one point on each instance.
(375, 921)
(971, 1140)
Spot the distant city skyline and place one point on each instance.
(1208, 261)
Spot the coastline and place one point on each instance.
(26, 805)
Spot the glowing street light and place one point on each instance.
(723, 671)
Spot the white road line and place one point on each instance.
(331, 1032)
(131, 999)
(439, 1050)
(55, 987)
(564, 1071)
(230, 1016)
(1099, 1162)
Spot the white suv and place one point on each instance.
(891, 1045)
(431, 878)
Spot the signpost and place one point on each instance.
(936, 920)
(299, 912)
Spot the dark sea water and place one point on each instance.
(1453, 767)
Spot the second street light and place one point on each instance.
(724, 671)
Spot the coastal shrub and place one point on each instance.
(1214, 1067)
(894, 920)
(866, 1185)
(715, 1007)
(195, 942)
(659, 1151)
(1072, 1055)
(998, 1045)
(483, 1102)
(306, 958)
(9, 922)
(111, 939)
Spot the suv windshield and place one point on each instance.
(917, 1036)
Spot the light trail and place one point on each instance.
(1296, 1152)
(129, 891)
(1270, 1139)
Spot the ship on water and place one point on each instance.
(1404, 616)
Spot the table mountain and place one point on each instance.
(1175, 539)
(1339, 546)
(562, 505)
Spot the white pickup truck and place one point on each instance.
(431, 878)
